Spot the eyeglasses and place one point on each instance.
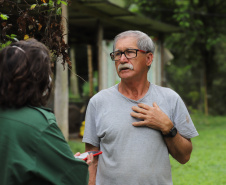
(129, 53)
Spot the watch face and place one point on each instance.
(174, 131)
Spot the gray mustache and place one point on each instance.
(126, 65)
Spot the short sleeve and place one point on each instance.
(90, 133)
(183, 121)
(55, 160)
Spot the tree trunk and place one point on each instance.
(90, 68)
(61, 86)
(99, 46)
(205, 91)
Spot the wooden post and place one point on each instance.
(61, 86)
(162, 65)
(90, 69)
(161, 70)
(99, 46)
(159, 63)
(205, 92)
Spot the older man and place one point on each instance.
(135, 123)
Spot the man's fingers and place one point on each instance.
(143, 106)
(155, 105)
(139, 110)
(137, 115)
(139, 124)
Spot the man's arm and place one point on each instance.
(179, 147)
(92, 168)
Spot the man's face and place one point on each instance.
(138, 65)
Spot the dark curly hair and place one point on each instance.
(25, 71)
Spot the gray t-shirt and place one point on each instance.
(133, 155)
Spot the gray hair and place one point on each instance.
(144, 42)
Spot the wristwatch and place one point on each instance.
(172, 132)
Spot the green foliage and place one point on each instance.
(59, 11)
(3, 45)
(203, 25)
(182, 16)
(11, 37)
(41, 21)
(76, 146)
(74, 98)
(155, 9)
(33, 6)
(218, 90)
(134, 8)
(194, 96)
(62, 2)
(86, 88)
(4, 16)
(181, 79)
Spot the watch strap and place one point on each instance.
(172, 132)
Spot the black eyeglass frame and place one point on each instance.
(123, 52)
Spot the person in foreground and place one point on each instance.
(135, 123)
(32, 148)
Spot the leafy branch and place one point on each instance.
(40, 20)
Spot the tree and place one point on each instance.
(203, 25)
(42, 21)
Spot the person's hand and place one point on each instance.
(77, 154)
(152, 117)
(89, 160)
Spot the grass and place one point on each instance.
(77, 146)
(207, 165)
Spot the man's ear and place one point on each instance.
(150, 57)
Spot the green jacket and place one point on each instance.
(33, 150)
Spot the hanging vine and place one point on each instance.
(39, 19)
